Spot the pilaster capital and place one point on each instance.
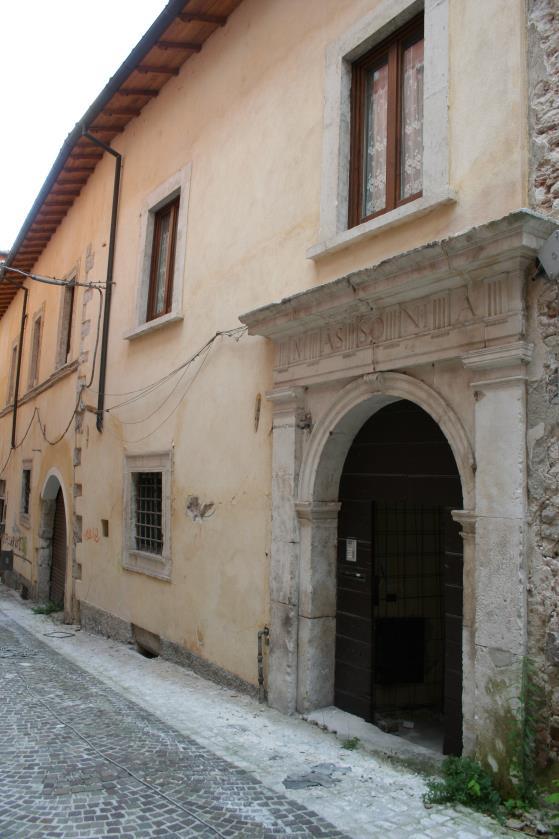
(467, 520)
(286, 400)
(500, 365)
(317, 511)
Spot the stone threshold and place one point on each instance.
(347, 726)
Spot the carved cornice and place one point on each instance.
(507, 355)
(466, 260)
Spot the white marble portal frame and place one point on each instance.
(336, 365)
(385, 19)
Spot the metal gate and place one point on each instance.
(399, 587)
(59, 549)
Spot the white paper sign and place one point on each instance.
(351, 550)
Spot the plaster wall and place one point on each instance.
(247, 115)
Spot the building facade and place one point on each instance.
(302, 372)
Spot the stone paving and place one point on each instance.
(79, 759)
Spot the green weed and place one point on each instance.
(351, 743)
(464, 781)
(47, 608)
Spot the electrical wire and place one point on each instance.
(39, 278)
(170, 414)
(236, 333)
(36, 412)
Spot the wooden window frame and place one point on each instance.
(390, 52)
(35, 349)
(66, 323)
(12, 374)
(25, 497)
(171, 207)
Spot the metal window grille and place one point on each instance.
(148, 512)
(25, 491)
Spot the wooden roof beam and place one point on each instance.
(86, 156)
(79, 180)
(156, 68)
(137, 91)
(122, 112)
(65, 190)
(179, 45)
(106, 129)
(198, 17)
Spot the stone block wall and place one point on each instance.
(543, 393)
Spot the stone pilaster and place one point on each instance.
(499, 387)
(318, 524)
(288, 429)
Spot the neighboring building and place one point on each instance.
(347, 179)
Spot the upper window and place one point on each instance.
(2, 506)
(66, 325)
(160, 294)
(386, 168)
(385, 155)
(35, 351)
(25, 490)
(13, 374)
(162, 255)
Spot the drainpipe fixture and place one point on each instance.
(109, 279)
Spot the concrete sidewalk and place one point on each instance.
(361, 794)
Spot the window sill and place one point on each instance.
(368, 229)
(150, 564)
(152, 326)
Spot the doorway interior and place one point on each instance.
(399, 607)
(57, 584)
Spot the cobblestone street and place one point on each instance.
(186, 758)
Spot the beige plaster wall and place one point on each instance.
(247, 113)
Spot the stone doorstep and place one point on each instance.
(346, 726)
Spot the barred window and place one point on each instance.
(148, 507)
(25, 490)
(2, 505)
(147, 514)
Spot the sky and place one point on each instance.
(55, 58)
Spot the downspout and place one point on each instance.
(109, 279)
(18, 366)
(263, 637)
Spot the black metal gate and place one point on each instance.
(399, 595)
(59, 550)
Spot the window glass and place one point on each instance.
(374, 189)
(25, 491)
(386, 160)
(411, 169)
(163, 260)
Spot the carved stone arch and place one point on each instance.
(51, 485)
(335, 431)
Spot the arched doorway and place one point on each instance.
(53, 544)
(399, 602)
(58, 552)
